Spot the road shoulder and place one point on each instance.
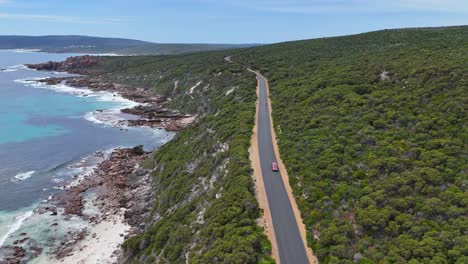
(284, 174)
(265, 220)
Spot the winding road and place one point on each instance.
(288, 237)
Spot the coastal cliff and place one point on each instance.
(201, 205)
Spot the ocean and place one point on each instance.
(46, 135)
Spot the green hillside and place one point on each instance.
(205, 207)
(372, 129)
(177, 48)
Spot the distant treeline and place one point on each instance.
(96, 45)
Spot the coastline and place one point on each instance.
(96, 211)
(152, 109)
(108, 200)
(77, 53)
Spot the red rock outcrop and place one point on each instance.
(78, 65)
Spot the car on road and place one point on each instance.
(274, 166)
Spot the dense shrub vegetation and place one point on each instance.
(372, 129)
(205, 209)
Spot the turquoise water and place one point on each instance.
(44, 132)
(24, 117)
(18, 122)
(24, 112)
(44, 129)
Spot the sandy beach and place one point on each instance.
(100, 245)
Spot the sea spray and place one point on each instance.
(23, 176)
(16, 222)
(109, 117)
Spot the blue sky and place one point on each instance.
(223, 21)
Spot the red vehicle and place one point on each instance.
(274, 166)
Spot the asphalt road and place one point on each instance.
(290, 245)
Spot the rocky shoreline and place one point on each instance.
(118, 182)
(118, 189)
(152, 111)
(77, 65)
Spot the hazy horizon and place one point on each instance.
(225, 21)
(119, 37)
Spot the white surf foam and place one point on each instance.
(56, 180)
(76, 172)
(8, 70)
(26, 50)
(33, 81)
(104, 117)
(23, 176)
(18, 66)
(115, 97)
(61, 88)
(108, 54)
(15, 226)
(91, 117)
(109, 117)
